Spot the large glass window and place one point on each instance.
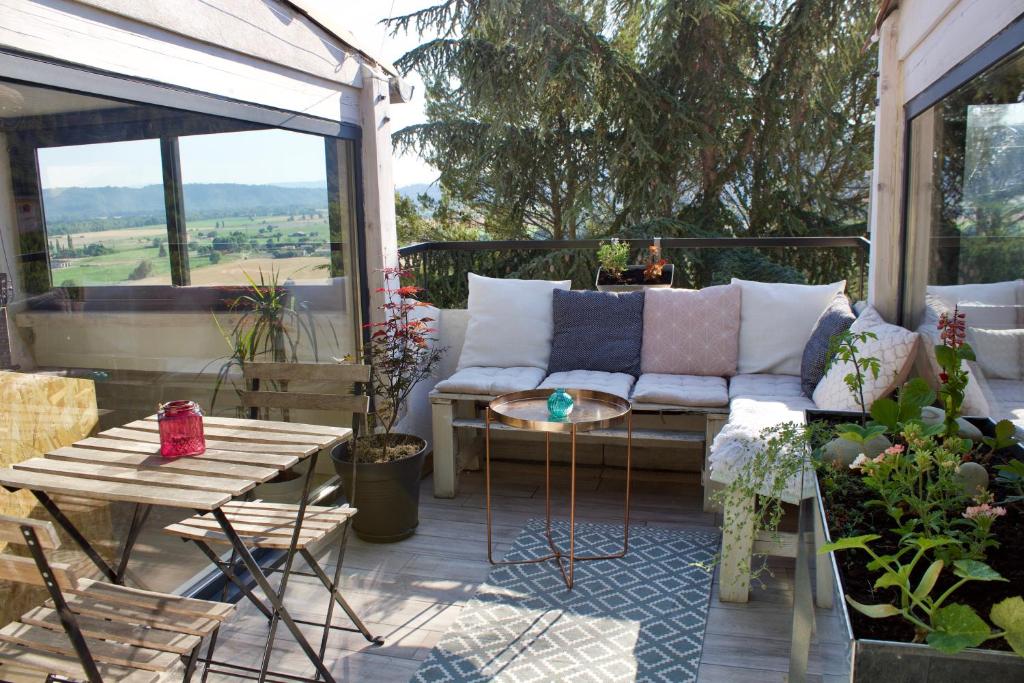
(105, 217)
(129, 233)
(965, 214)
(255, 201)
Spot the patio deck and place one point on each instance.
(411, 592)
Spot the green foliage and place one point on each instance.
(844, 348)
(613, 256)
(564, 118)
(912, 397)
(1005, 436)
(143, 270)
(1011, 475)
(946, 627)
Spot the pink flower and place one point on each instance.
(859, 462)
(984, 511)
(880, 457)
(895, 450)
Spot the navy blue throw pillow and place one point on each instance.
(597, 331)
(836, 319)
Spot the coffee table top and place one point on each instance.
(529, 410)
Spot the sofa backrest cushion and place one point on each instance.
(600, 331)
(836, 319)
(511, 322)
(999, 352)
(893, 346)
(776, 320)
(692, 332)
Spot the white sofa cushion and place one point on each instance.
(946, 297)
(681, 390)
(511, 323)
(618, 383)
(894, 348)
(740, 439)
(765, 386)
(998, 351)
(491, 381)
(1006, 398)
(776, 320)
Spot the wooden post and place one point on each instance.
(468, 442)
(712, 426)
(824, 584)
(381, 237)
(446, 469)
(887, 177)
(737, 548)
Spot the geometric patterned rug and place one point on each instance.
(639, 618)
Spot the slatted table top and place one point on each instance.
(124, 464)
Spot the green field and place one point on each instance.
(220, 249)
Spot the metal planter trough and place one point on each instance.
(872, 661)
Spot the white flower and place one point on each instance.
(859, 462)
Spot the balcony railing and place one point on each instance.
(441, 267)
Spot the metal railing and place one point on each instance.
(440, 268)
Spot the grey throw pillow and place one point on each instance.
(597, 331)
(836, 319)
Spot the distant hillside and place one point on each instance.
(202, 200)
(413, 191)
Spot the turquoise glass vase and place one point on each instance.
(559, 404)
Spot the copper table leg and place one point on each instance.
(556, 553)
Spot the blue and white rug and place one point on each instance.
(639, 618)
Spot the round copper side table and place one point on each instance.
(528, 410)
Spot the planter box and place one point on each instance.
(633, 278)
(872, 661)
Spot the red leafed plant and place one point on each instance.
(401, 351)
(655, 264)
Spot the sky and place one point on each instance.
(252, 157)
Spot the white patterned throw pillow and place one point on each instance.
(894, 348)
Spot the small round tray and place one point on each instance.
(529, 410)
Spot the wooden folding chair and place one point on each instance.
(95, 631)
(293, 528)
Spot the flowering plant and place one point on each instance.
(655, 264)
(401, 352)
(951, 354)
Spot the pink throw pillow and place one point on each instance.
(692, 332)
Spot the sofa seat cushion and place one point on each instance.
(681, 390)
(765, 386)
(741, 438)
(618, 383)
(484, 381)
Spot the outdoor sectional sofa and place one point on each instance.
(737, 358)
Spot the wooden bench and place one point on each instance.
(455, 416)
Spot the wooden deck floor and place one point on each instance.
(411, 592)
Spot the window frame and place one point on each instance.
(997, 49)
(151, 116)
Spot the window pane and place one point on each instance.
(255, 201)
(105, 217)
(965, 210)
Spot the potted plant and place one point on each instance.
(381, 468)
(270, 326)
(616, 275)
(923, 538)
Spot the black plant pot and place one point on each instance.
(632, 279)
(387, 494)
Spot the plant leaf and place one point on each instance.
(1009, 616)
(931, 575)
(880, 611)
(946, 357)
(849, 543)
(957, 627)
(976, 571)
(886, 412)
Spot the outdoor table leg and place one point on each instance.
(81, 541)
(139, 517)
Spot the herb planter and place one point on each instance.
(632, 279)
(876, 659)
(386, 494)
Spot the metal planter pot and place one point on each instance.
(667, 278)
(872, 661)
(387, 495)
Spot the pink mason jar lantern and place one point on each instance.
(181, 429)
